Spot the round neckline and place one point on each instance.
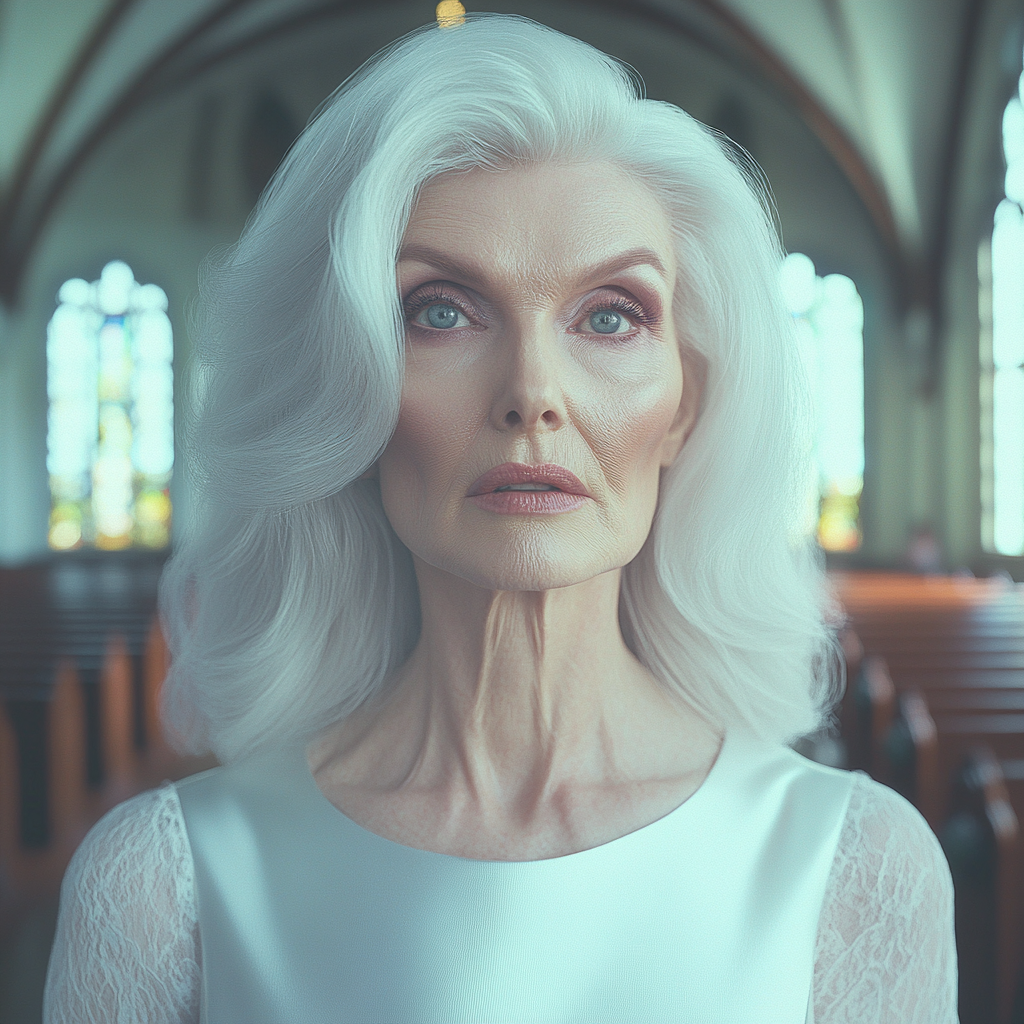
(691, 805)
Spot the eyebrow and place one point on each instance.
(623, 261)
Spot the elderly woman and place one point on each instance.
(496, 607)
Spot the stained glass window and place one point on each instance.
(110, 431)
(1001, 341)
(829, 318)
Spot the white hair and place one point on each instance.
(289, 600)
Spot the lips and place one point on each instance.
(515, 489)
(511, 476)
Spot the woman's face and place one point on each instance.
(544, 390)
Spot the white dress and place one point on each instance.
(781, 890)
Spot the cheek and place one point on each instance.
(432, 434)
(630, 430)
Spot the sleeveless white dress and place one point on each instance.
(713, 913)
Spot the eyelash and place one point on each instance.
(632, 308)
(418, 302)
(421, 300)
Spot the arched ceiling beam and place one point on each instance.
(30, 156)
(22, 216)
(22, 221)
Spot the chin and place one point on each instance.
(533, 566)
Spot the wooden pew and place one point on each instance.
(909, 757)
(896, 739)
(117, 722)
(159, 759)
(69, 799)
(853, 655)
(71, 806)
(869, 717)
(67, 695)
(981, 839)
(9, 825)
(960, 644)
(29, 871)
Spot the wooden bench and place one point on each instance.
(868, 715)
(981, 839)
(909, 757)
(36, 842)
(955, 653)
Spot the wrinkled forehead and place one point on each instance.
(543, 222)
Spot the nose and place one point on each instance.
(531, 395)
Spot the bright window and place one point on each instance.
(110, 436)
(829, 317)
(1001, 307)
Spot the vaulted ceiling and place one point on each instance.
(883, 83)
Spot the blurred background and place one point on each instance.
(136, 136)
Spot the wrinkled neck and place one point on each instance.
(528, 678)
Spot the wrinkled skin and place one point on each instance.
(521, 726)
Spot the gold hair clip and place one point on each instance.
(450, 13)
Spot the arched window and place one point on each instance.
(1001, 342)
(110, 432)
(829, 317)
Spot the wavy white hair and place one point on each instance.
(289, 599)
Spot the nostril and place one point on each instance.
(513, 419)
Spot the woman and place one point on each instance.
(496, 607)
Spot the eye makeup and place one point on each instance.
(636, 312)
(633, 310)
(433, 294)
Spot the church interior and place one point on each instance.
(137, 135)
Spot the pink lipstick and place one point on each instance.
(515, 488)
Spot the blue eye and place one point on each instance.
(442, 315)
(434, 309)
(606, 321)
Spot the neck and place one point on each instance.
(515, 692)
(505, 661)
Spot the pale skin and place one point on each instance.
(522, 727)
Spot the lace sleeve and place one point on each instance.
(886, 950)
(126, 947)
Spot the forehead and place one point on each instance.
(541, 219)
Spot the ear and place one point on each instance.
(694, 378)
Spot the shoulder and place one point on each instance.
(126, 945)
(885, 841)
(133, 827)
(134, 860)
(886, 948)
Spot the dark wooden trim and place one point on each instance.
(55, 107)
(833, 136)
(14, 250)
